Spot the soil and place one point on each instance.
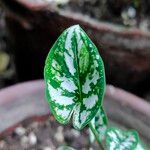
(47, 135)
(129, 13)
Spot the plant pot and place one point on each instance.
(25, 101)
(35, 25)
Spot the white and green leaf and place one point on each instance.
(121, 140)
(65, 148)
(75, 78)
(99, 123)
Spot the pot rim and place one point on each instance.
(16, 92)
(120, 95)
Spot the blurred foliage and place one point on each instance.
(4, 61)
(137, 3)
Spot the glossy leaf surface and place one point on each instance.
(121, 140)
(99, 123)
(75, 78)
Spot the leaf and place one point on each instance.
(99, 123)
(120, 140)
(75, 78)
(65, 148)
(141, 146)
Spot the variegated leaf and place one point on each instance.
(75, 78)
(99, 123)
(121, 140)
(65, 148)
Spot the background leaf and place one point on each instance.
(121, 140)
(141, 146)
(65, 148)
(99, 123)
(75, 78)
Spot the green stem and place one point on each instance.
(96, 136)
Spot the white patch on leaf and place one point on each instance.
(79, 40)
(113, 142)
(128, 142)
(55, 65)
(91, 135)
(113, 135)
(90, 45)
(68, 42)
(83, 116)
(95, 77)
(79, 117)
(90, 101)
(102, 131)
(56, 95)
(76, 116)
(68, 84)
(70, 63)
(57, 74)
(95, 63)
(97, 57)
(139, 147)
(64, 113)
(80, 46)
(86, 87)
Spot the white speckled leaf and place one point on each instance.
(75, 78)
(121, 140)
(99, 123)
(65, 148)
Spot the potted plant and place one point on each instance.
(75, 85)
